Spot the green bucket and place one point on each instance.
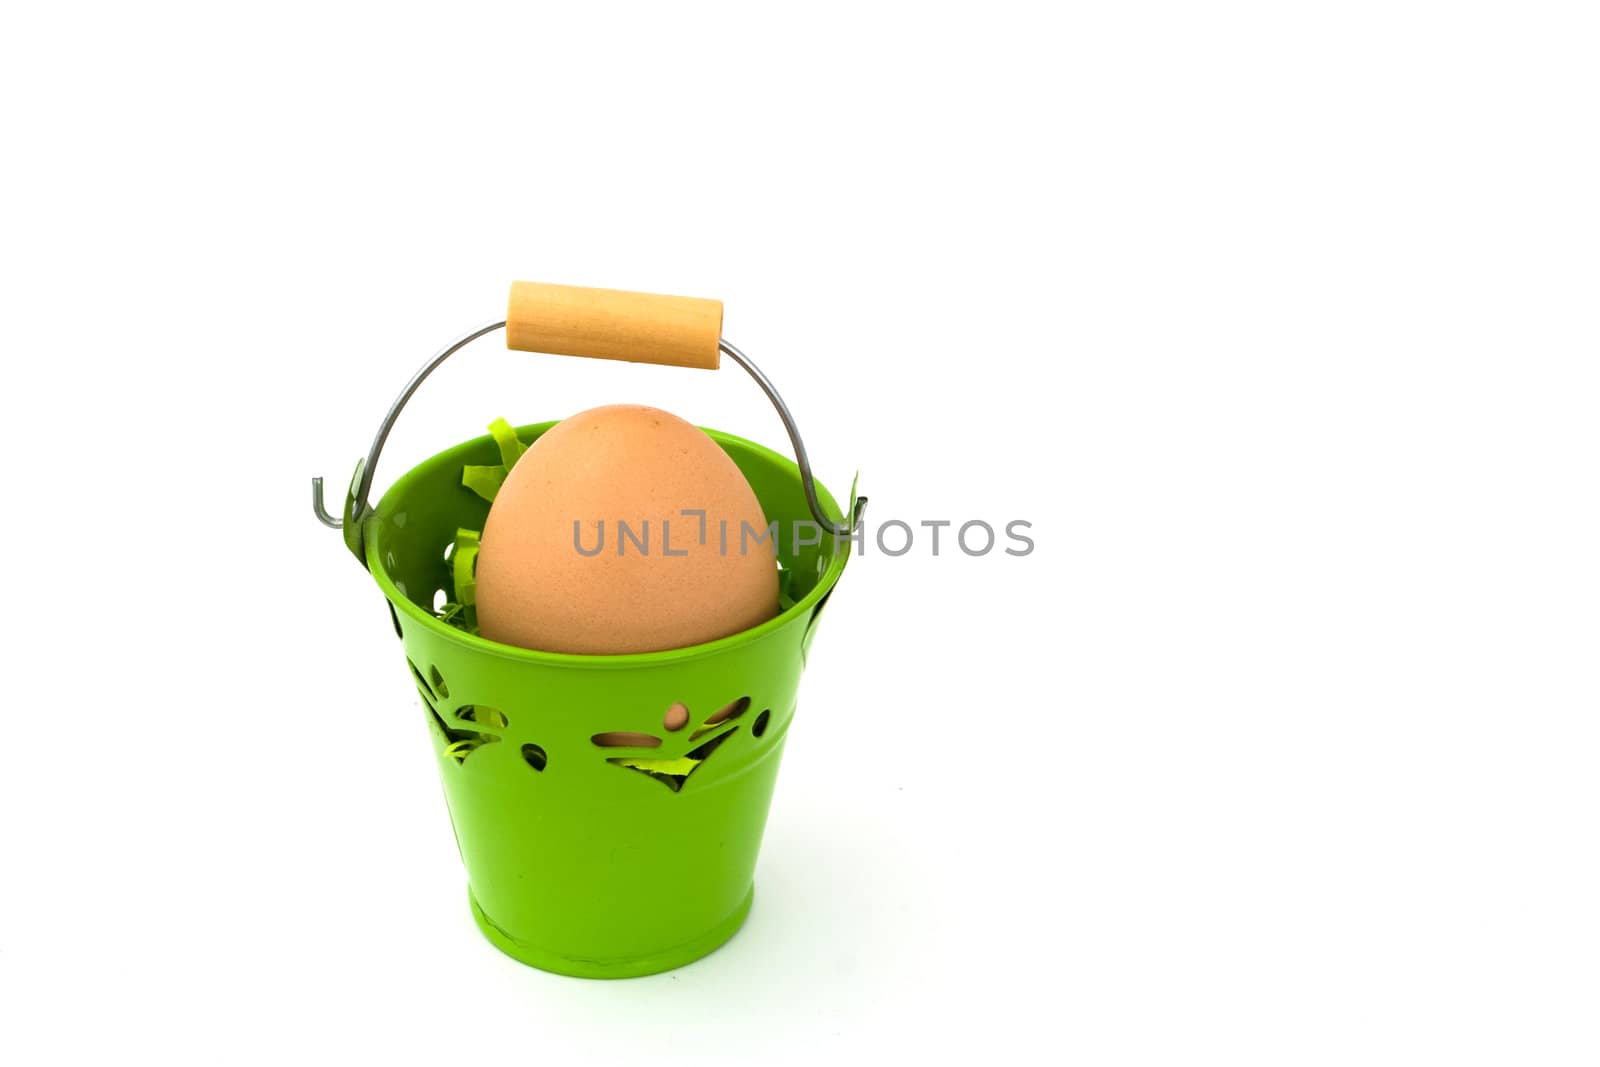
(585, 858)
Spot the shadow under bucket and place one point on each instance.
(593, 855)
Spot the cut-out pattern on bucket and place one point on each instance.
(725, 714)
(422, 683)
(625, 739)
(438, 682)
(535, 755)
(759, 727)
(459, 743)
(482, 715)
(673, 773)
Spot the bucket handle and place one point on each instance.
(589, 325)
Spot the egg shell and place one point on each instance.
(642, 467)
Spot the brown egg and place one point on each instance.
(625, 474)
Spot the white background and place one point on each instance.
(1277, 321)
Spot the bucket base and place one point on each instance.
(630, 967)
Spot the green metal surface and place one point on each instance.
(589, 860)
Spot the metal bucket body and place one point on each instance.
(584, 859)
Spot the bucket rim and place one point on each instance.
(404, 604)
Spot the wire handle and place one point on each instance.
(577, 334)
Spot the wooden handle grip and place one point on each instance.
(682, 331)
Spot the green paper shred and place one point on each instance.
(460, 750)
(463, 568)
(511, 447)
(485, 481)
